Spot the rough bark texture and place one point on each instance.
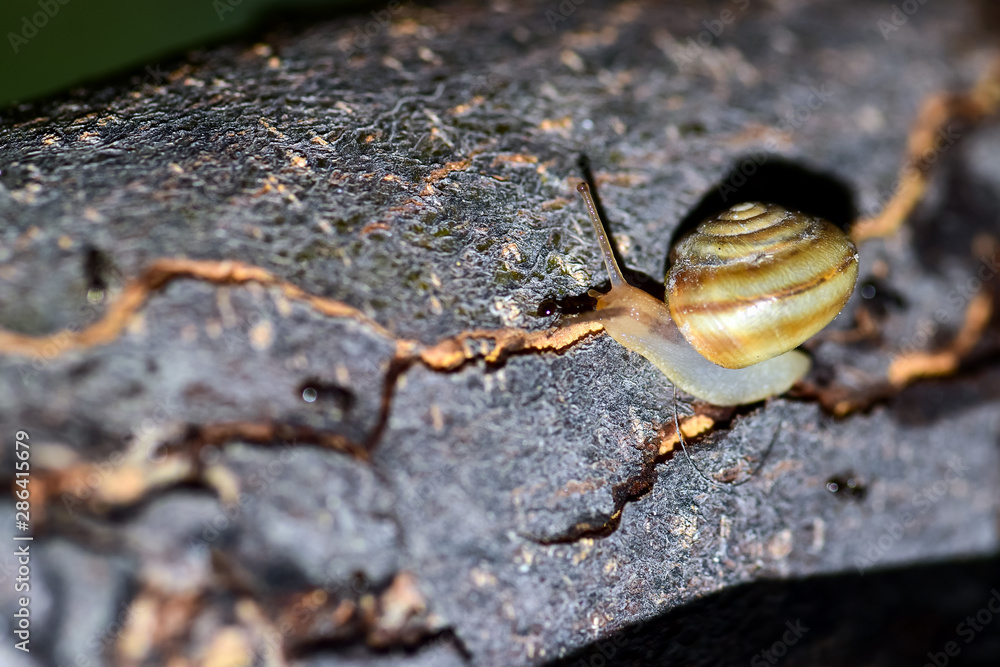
(244, 473)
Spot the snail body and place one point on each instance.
(744, 289)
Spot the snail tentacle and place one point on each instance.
(617, 278)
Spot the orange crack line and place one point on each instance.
(451, 353)
(691, 428)
(268, 432)
(660, 448)
(981, 101)
(907, 367)
(160, 273)
(446, 355)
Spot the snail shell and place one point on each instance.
(757, 281)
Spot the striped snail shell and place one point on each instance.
(757, 281)
(744, 289)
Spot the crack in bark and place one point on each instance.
(907, 367)
(658, 450)
(219, 434)
(937, 111)
(153, 467)
(394, 616)
(158, 275)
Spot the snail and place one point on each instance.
(743, 290)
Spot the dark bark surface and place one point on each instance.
(244, 472)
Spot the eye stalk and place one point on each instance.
(617, 279)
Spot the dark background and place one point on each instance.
(89, 39)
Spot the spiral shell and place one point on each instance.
(757, 280)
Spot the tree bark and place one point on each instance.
(279, 326)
